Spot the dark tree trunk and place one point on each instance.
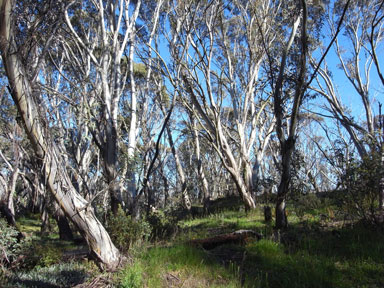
(45, 224)
(7, 214)
(111, 163)
(65, 231)
(267, 214)
(287, 150)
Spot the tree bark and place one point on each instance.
(50, 160)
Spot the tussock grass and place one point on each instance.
(54, 276)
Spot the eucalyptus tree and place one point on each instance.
(287, 134)
(292, 81)
(103, 35)
(22, 66)
(200, 164)
(180, 170)
(220, 69)
(312, 161)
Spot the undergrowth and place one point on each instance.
(310, 253)
(315, 251)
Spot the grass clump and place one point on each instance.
(132, 276)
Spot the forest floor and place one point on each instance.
(315, 251)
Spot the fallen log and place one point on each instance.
(240, 237)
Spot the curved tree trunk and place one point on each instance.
(57, 179)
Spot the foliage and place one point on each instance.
(306, 203)
(11, 248)
(162, 226)
(125, 232)
(361, 182)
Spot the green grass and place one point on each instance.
(227, 221)
(176, 266)
(29, 225)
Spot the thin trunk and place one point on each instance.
(184, 193)
(287, 145)
(200, 170)
(166, 190)
(132, 133)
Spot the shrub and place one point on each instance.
(306, 204)
(361, 183)
(126, 232)
(162, 226)
(11, 249)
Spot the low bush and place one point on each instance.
(126, 232)
(307, 203)
(11, 248)
(361, 182)
(162, 226)
(59, 275)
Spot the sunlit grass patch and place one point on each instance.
(30, 225)
(226, 221)
(176, 266)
